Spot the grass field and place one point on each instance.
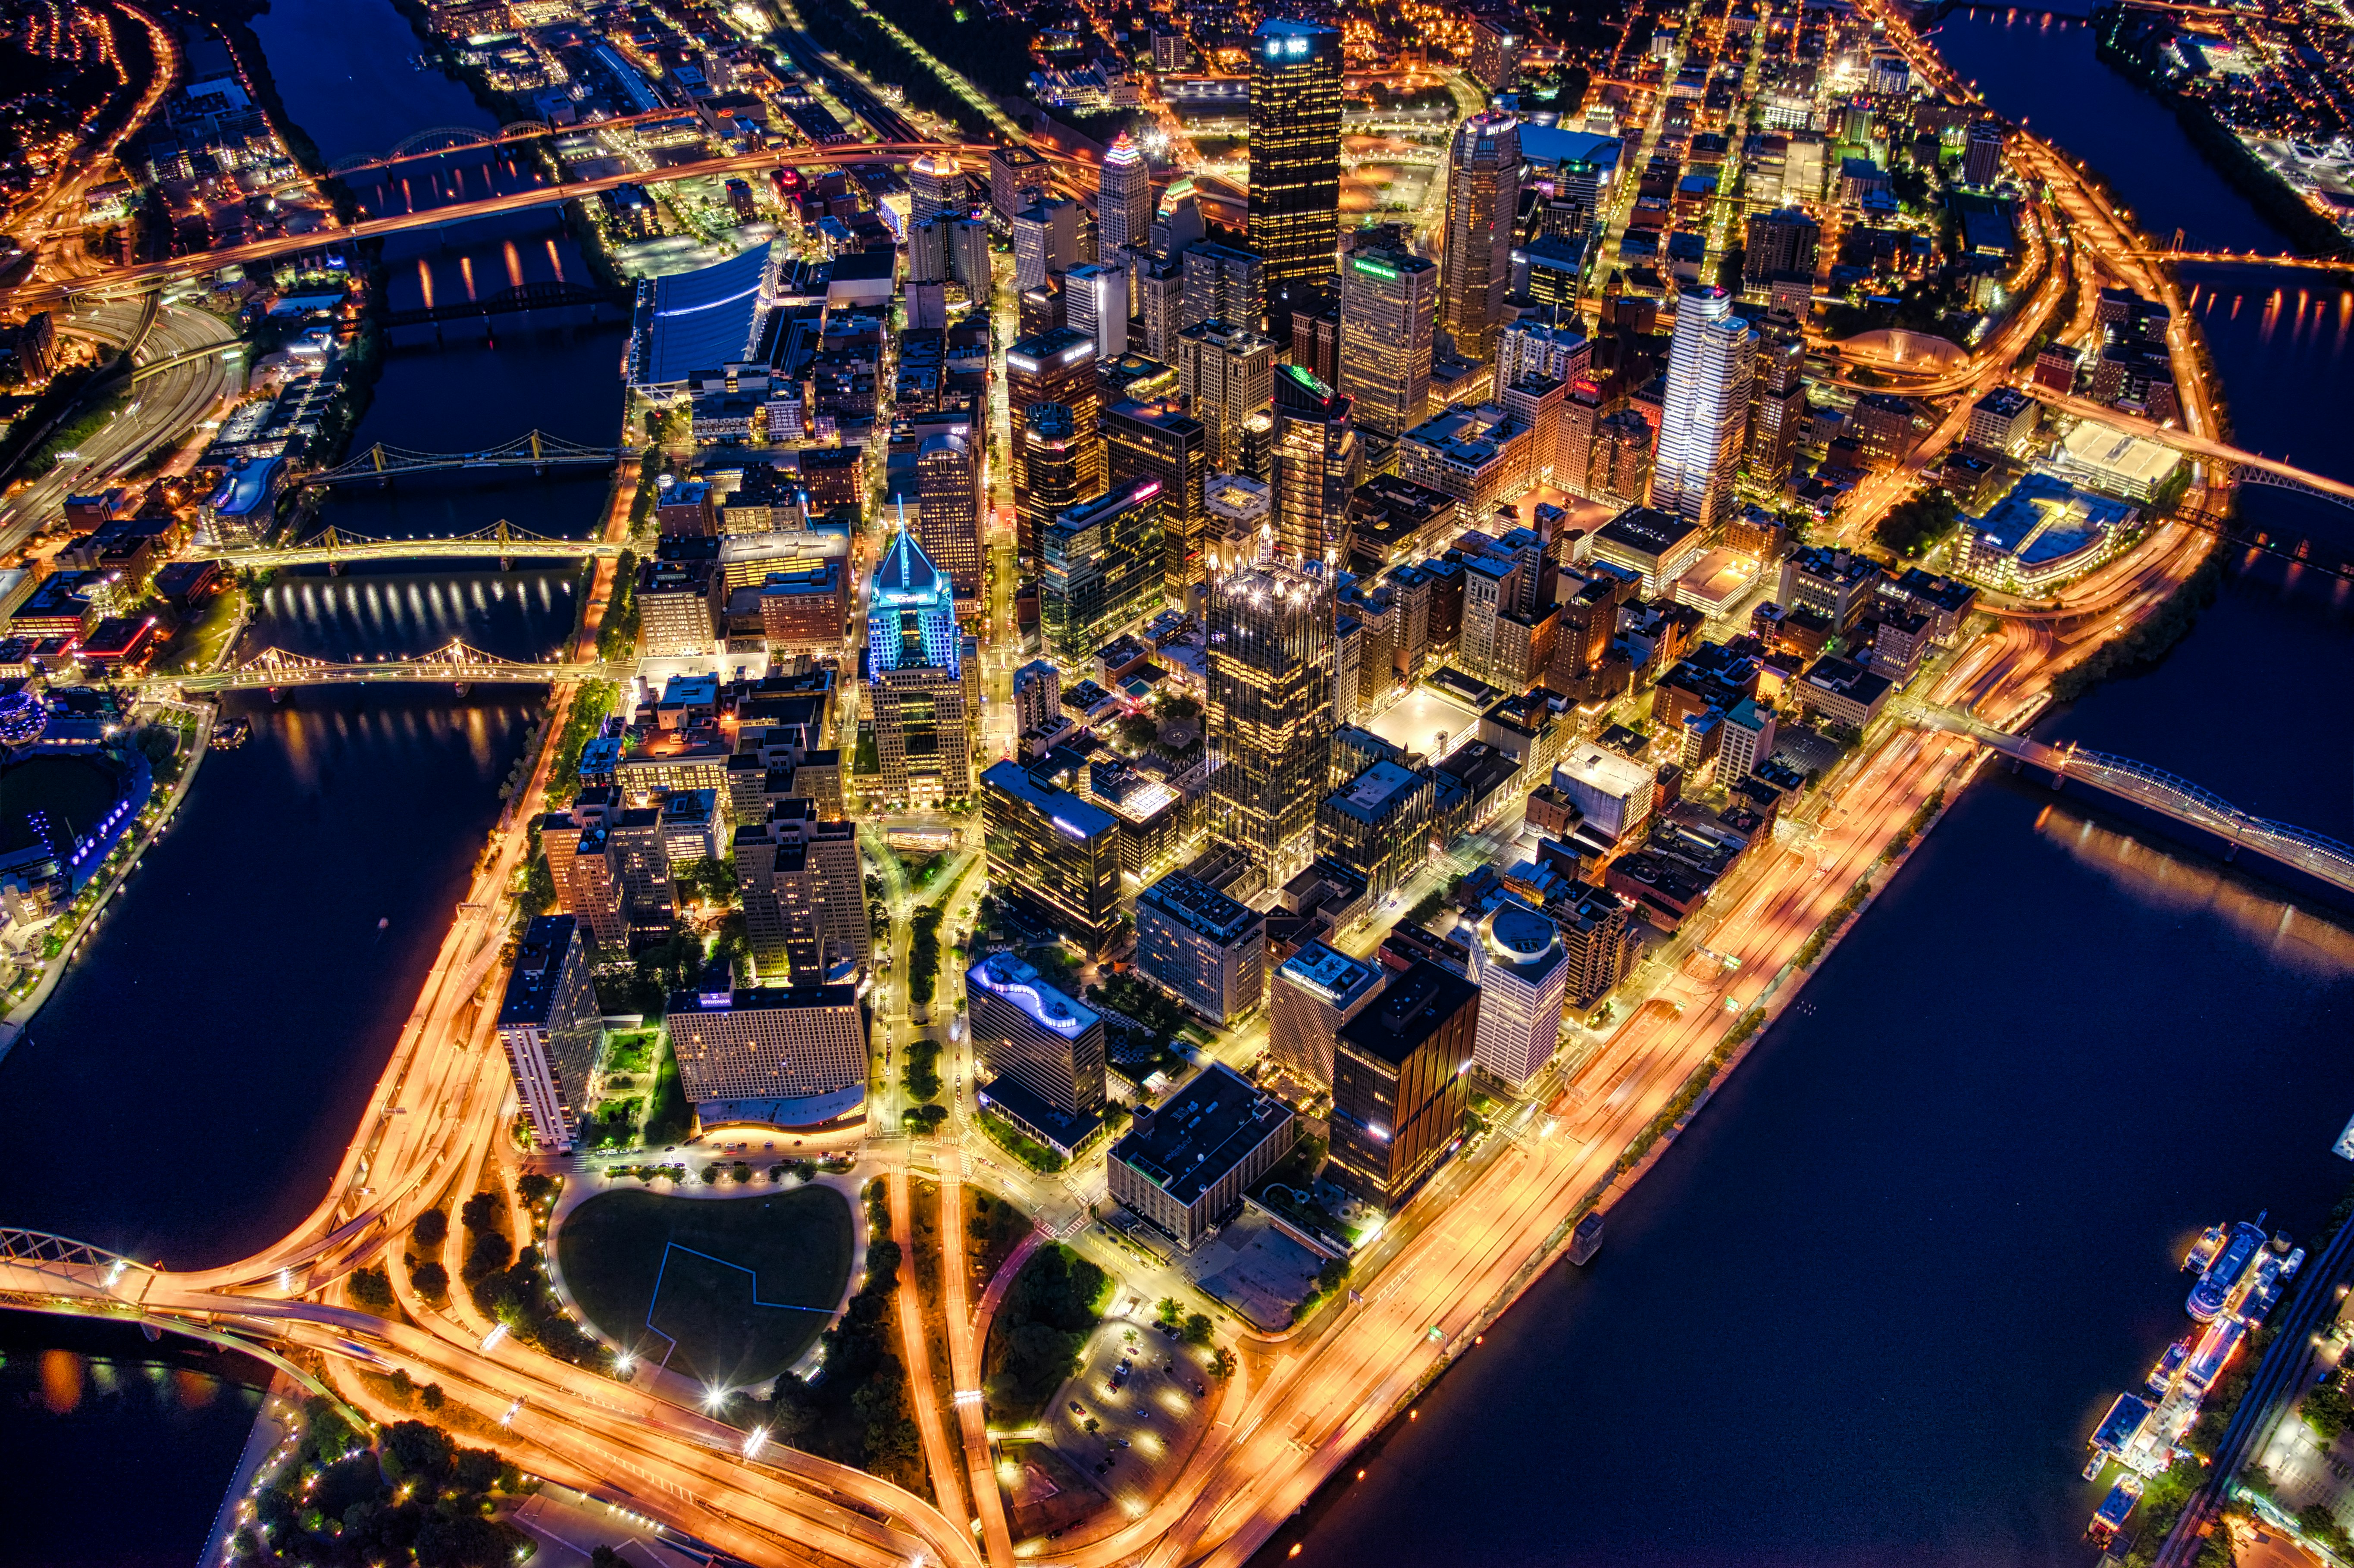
(730, 1271)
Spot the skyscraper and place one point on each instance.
(1269, 715)
(1710, 363)
(1295, 148)
(1045, 474)
(939, 189)
(947, 510)
(1523, 974)
(1160, 440)
(916, 678)
(1778, 408)
(551, 1028)
(1095, 301)
(1023, 1029)
(1399, 1089)
(1779, 242)
(1389, 300)
(1227, 373)
(1123, 198)
(1316, 465)
(1102, 564)
(1059, 366)
(1223, 284)
(1982, 153)
(1046, 241)
(1483, 200)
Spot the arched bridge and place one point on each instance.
(501, 541)
(2249, 468)
(533, 450)
(274, 668)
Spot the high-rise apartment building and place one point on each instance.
(1037, 695)
(1595, 934)
(1778, 408)
(1228, 374)
(1483, 200)
(1316, 465)
(947, 510)
(1025, 1030)
(1389, 303)
(1982, 153)
(1706, 414)
(1101, 566)
(1046, 473)
(789, 1056)
(916, 679)
(551, 1028)
(1123, 198)
(1160, 305)
(1269, 716)
(1400, 1091)
(1310, 995)
(804, 893)
(1295, 148)
(1532, 347)
(1053, 851)
(1159, 440)
(1095, 301)
(1046, 241)
(1523, 970)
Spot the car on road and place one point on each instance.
(1077, 1409)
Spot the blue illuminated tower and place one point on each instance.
(915, 671)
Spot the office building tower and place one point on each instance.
(916, 686)
(928, 250)
(1745, 740)
(1315, 344)
(1017, 176)
(1483, 199)
(1495, 54)
(1400, 1084)
(1238, 530)
(947, 510)
(1780, 243)
(968, 263)
(1982, 153)
(1052, 851)
(1595, 932)
(1095, 301)
(1316, 465)
(1059, 366)
(1185, 1163)
(1389, 303)
(1201, 947)
(1310, 995)
(1228, 374)
(1139, 379)
(1378, 825)
(1123, 197)
(1620, 469)
(1037, 695)
(1161, 304)
(1025, 1030)
(1295, 148)
(1101, 566)
(675, 614)
(1046, 473)
(1706, 414)
(1223, 284)
(1523, 970)
(552, 1029)
(1159, 440)
(1269, 714)
(788, 1056)
(938, 189)
(1046, 241)
(1777, 406)
(1533, 346)
(633, 841)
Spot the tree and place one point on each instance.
(1197, 1328)
(372, 1289)
(482, 1211)
(711, 1175)
(605, 1557)
(432, 1281)
(1221, 1363)
(742, 1172)
(1168, 1311)
(536, 1189)
(431, 1229)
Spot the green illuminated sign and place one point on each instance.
(1377, 269)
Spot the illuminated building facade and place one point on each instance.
(1389, 301)
(1025, 1030)
(1053, 851)
(551, 1028)
(1295, 148)
(1102, 564)
(1400, 1095)
(1523, 973)
(1316, 465)
(1706, 415)
(1270, 716)
(1483, 197)
(916, 679)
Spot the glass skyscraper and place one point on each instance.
(1295, 148)
(915, 667)
(1270, 710)
(1706, 415)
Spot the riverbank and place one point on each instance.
(2223, 151)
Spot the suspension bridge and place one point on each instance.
(501, 541)
(533, 450)
(274, 668)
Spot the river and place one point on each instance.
(1867, 1310)
(197, 1077)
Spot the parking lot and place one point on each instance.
(1147, 1426)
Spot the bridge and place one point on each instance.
(501, 541)
(146, 275)
(537, 296)
(533, 450)
(2297, 858)
(274, 668)
(2249, 468)
(234, 347)
(2254, 259)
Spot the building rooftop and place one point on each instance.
(1407, 1013)
(1005, 976)
(1606, 771)
(538, 965)
(1200, 907)
(1078, 818)
(1647, 530)
(1334, 977)
(1371, 794)
(1203, 1131)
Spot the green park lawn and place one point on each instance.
(733, 1327)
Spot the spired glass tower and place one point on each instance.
(1705, 417)
(1123, 198)
(1295, 148)
(1483, 203)
(916, 678)
(1270, 710)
